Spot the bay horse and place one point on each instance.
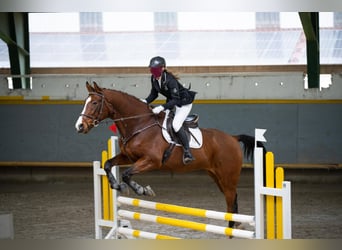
(142, 144)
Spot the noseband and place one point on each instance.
(95, 120)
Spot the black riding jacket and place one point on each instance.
(175, 93)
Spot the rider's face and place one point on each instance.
(156, 72)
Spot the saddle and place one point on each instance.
(190, 126)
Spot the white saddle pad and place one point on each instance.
(195, 133)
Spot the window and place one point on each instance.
(184, 38)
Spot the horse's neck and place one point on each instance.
(125, 104)
(128, 108)
(131, 114)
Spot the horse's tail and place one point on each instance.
(248, 148)
(248, 145)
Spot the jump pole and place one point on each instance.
(211, 214)
(187, 224)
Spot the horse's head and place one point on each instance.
(95, 109)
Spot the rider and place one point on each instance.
(177, 97)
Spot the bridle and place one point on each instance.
(95, 120)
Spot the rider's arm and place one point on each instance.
(174, 98)
(153, 94)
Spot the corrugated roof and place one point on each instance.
(180, 48)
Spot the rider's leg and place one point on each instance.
(180, 114)
(187, 156)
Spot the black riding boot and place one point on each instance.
(187, 156)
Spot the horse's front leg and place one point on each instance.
(141, 165)
(117, 160)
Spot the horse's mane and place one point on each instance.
(129, 97)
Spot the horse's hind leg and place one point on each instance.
(230, 197)
(235, 211)
(137, 188)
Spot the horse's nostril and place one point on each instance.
(80, 128)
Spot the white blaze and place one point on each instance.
(79, 120)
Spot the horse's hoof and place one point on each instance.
(148, 191)
(239, 225)
(124, 188)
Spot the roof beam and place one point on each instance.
(15, 33)
(310, 23)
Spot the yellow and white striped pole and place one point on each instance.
(187, 224)
(145, 235)
(186, 210)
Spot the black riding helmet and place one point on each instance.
(157, 62)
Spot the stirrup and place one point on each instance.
(187, 158)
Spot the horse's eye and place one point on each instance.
(94, 102)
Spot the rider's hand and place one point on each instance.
(143, 100)
(158, 109)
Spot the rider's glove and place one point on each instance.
(143, 100)
(158, 109)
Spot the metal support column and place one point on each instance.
(14, 32)
(310, 23)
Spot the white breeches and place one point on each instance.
(180, 114)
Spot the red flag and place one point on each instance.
(113, 128)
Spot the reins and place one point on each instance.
(132, 117)
(96, 121)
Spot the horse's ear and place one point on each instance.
(97, 88)
(89, 87)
